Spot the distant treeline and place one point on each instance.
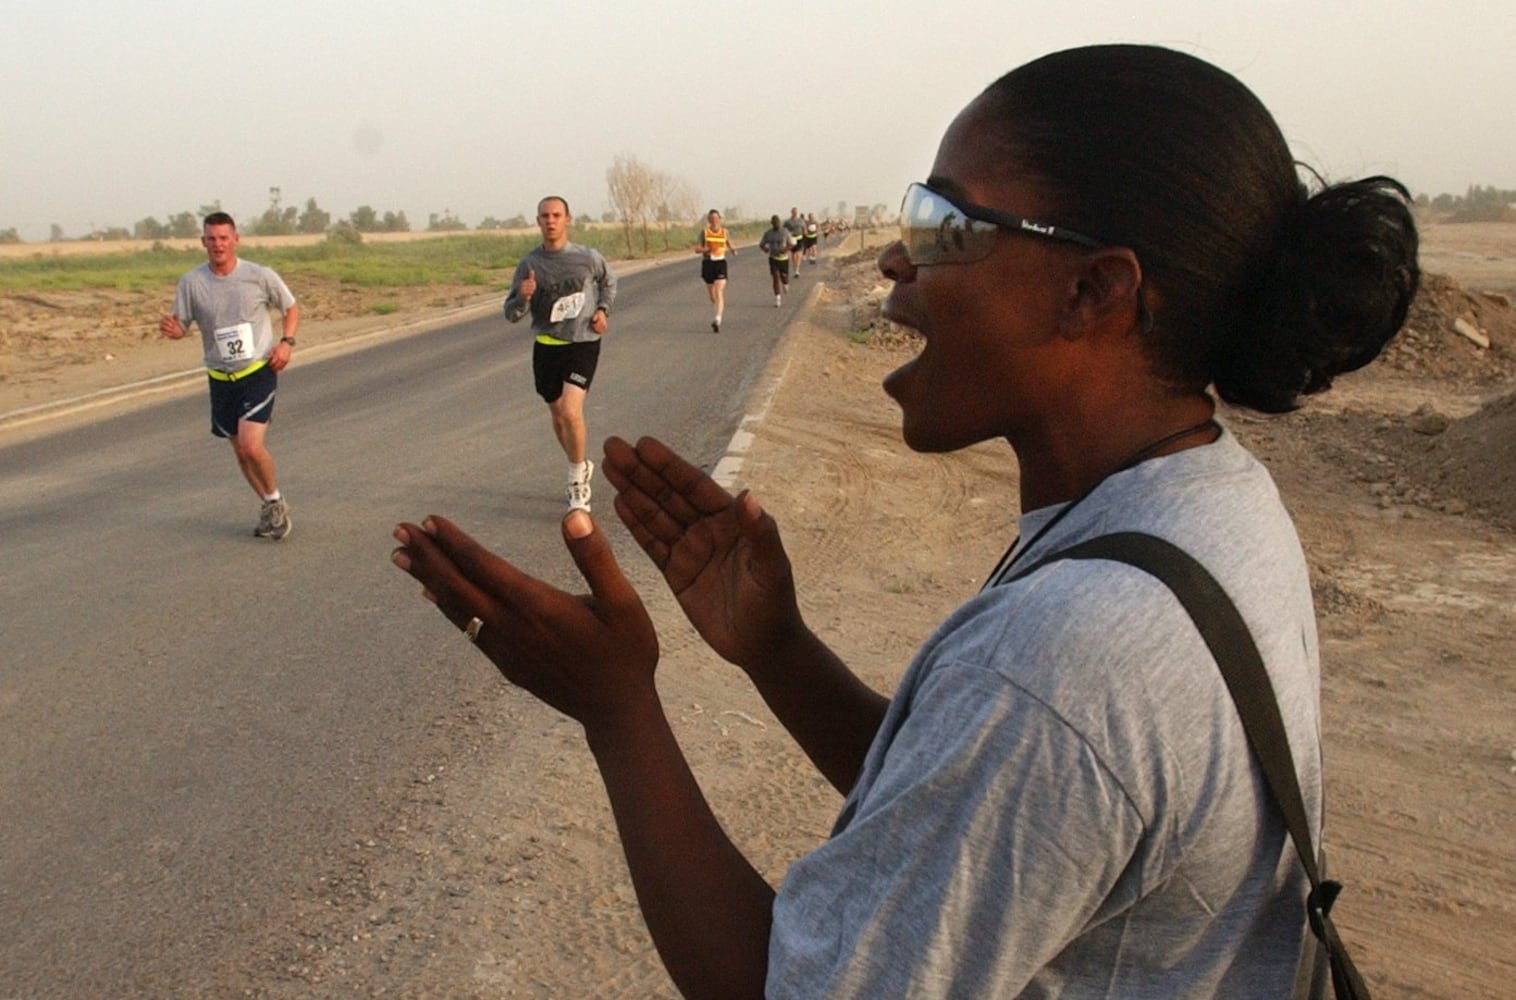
(1478, 204)
(285, 220)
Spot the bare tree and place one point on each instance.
(660, 195)
(630, 182)
(641, 195)
(675, 202)
(684, 200)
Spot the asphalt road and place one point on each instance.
(191, 718)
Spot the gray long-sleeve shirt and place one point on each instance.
(572, 283)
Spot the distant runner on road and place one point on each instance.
(714, 246)
(795, 226)
(778, 243)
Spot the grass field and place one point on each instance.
(485, 259)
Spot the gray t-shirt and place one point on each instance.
(776, 243)
(232, 312)
(572, 282)
(1061, 800)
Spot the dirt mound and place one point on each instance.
(1458, 465)
(1430, 344)
(1462, 464)
(855, 288)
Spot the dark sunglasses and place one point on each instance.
(937, 230)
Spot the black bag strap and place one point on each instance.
(1226, 635)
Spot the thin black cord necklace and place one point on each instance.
(1139, 456)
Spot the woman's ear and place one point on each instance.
(1107, 294)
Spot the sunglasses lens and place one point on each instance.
(935, 231)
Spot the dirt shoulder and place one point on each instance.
(57, 348)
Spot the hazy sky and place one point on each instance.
(115, 111)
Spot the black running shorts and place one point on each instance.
(553, 365)
(712, 271)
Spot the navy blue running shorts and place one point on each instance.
(250, 398)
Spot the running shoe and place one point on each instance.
(715, 326)
(274, 520)
(579, 495)
(265, 520)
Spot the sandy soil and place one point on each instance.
(500, 874)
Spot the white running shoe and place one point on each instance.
(579, 489)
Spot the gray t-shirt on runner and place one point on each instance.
(777, 243)
(232, 312)
(1061, 800)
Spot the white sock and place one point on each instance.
(272, 497)
(577, 471)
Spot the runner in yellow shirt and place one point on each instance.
(714, 246)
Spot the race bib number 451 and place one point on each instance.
(567, 307)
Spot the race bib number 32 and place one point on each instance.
(235, 343)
